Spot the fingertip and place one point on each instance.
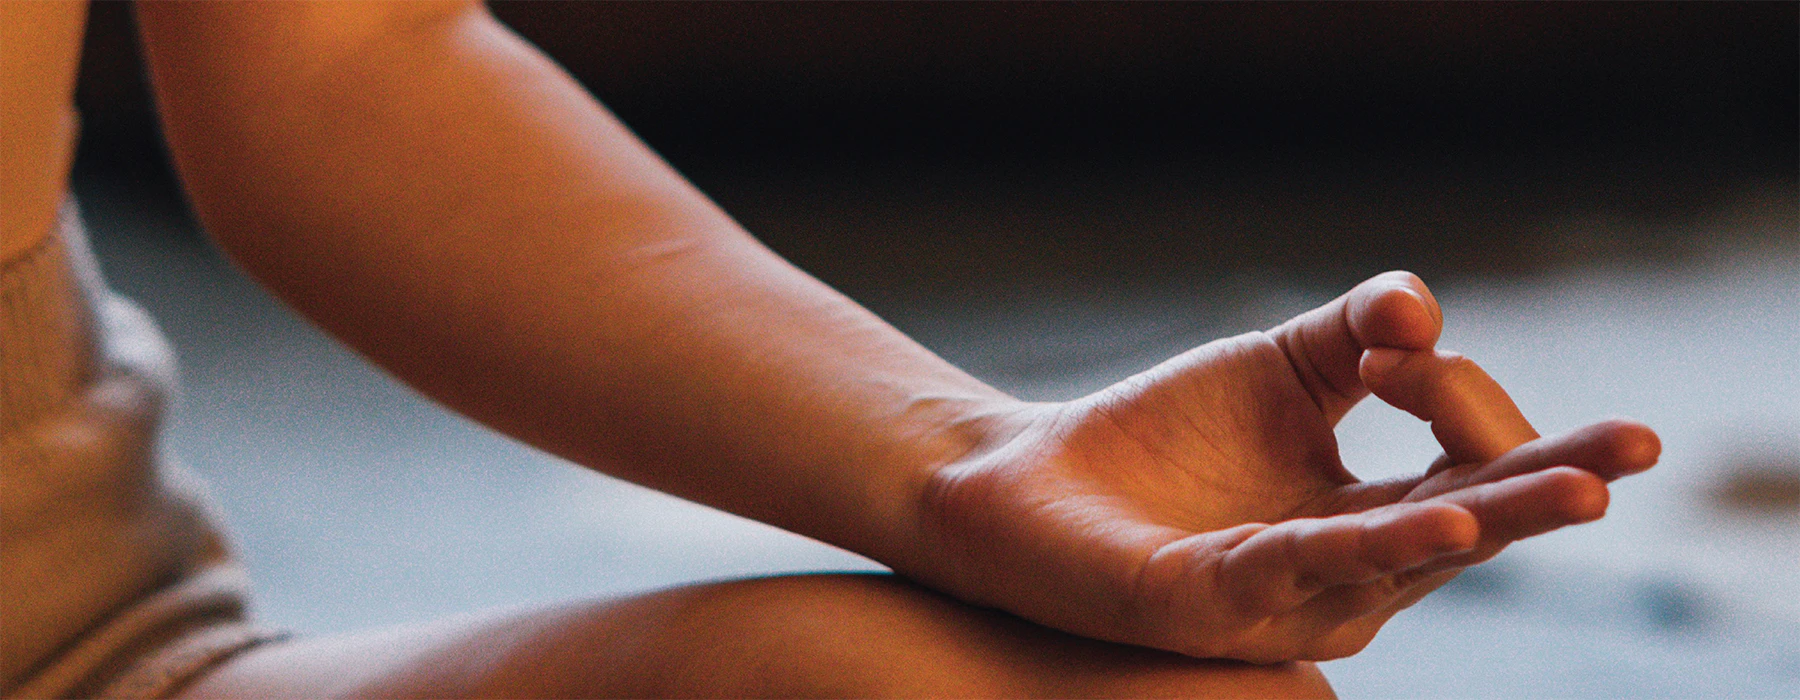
(1449, 527)
(1415, 324)
(1400, 277)
(1633, 446)
(1462, 530)
(1378, 365)
(1395, 311)
(1419, 532)
(1417, 286)
(1579, 496)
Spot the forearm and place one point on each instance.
(452, 205)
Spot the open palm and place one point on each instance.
(1201, 506)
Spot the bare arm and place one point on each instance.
(439, 195)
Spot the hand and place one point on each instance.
(1201, 506)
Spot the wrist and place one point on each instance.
(957, 434)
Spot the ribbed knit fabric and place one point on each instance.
(114, 580)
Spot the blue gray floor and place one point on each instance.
(356, 503)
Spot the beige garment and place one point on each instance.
(114, 582)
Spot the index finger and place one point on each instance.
(1472, 416)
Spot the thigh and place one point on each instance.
(798, 636)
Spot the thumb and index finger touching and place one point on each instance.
(1379, 337)
(1369, 341)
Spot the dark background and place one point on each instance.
(976, 145)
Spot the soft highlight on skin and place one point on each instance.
(441, 197)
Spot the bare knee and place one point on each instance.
(880, 636)
(817, 636)
(1212, 679)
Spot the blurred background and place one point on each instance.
(1054, 196)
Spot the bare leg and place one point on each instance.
(823, 635)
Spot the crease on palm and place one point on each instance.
(1157, 482)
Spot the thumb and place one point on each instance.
(1390, 310)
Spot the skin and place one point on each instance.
(802, 636)
(438, 195)
(1201, 506)
(40, 44)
